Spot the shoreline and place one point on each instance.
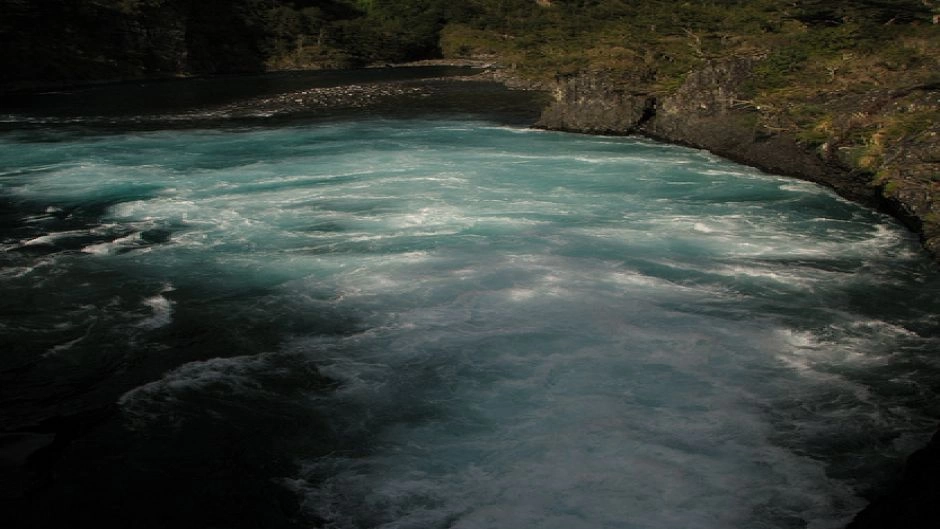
(703, 114)
(678, 123)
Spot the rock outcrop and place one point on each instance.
(597, 105)
(711, 110)
(913, 503)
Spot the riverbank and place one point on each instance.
(436, 87)
(280, 324)
(703, 114)
(711, 111)
(897, 172)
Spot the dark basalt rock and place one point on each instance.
(596, 105)
(711, 111)
(708, 111)
(915, 502)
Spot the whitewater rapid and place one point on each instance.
(448, 323)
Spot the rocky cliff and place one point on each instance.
(712, 110)
(913, 503)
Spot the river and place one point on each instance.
(235, 304)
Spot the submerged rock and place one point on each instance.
(915, 502)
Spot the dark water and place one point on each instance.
(268, 100)
(409, 310)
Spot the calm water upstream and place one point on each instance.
(441, 318)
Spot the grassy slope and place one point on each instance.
(858, 81)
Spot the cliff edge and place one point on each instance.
(859, 153)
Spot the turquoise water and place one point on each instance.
(453, 323)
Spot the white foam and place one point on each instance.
(51, 238)
(161, 403)
(56, 349)
(161, 310)
(558, 458)
(107, 248)
(792, 278)
(582, 339)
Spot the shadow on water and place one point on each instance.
(211, 448)
(208, 458)
(76, 335)
(166, 96)
(271, 100)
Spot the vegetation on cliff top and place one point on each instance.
(74, 40)
(847, 77)
(802, 40)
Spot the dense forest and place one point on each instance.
(69, 40)
(74, 40)
(65, 40)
